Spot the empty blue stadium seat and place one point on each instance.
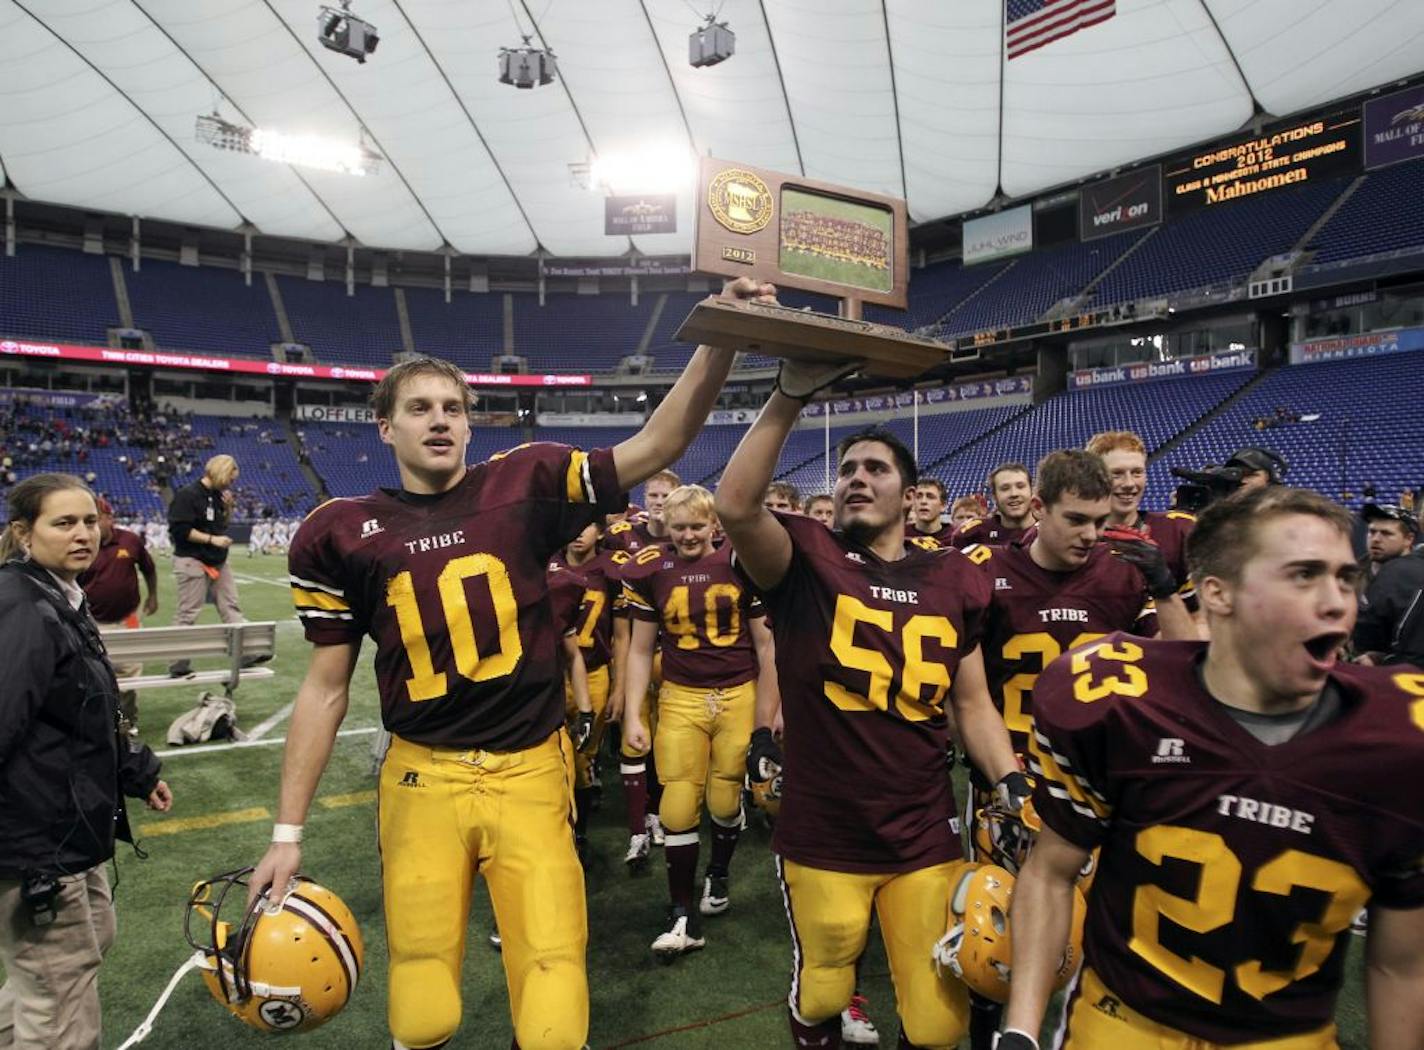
(202, 308)
(56, 293)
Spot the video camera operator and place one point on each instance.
(64, 769)
(1248, 468)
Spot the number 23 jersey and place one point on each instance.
(1230, 870)
(453, 590)
(866, 651)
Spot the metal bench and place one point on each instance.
(234, 642)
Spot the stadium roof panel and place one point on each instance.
(902, 97)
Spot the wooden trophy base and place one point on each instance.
(802, 335)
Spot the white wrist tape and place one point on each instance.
(286, 833)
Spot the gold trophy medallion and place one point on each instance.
(739, 200)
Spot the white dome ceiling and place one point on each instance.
(906, 97)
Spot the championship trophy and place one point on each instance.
(799, 233)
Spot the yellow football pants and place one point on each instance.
(1098, 1018)
(830, 919)
(446, 815)
(598, 697)
(701, 749)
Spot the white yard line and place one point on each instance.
(242, 577)
(198, 749)
(269, 723)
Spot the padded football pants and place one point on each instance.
(1095, 1017)
(446, 815)
(830, 920)
(701, 749)
(598, 697)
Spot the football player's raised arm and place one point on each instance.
(640, 672)
(768, 691)
(674, 423)
(1040, 918)
(981, 727)
(762, 544)
(320, 706)
(1394, 978)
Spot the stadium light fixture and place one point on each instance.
(710, 44)
(646, 169)
(527, 66)
(306, 151)
(339, 30)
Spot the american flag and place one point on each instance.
(1032, 23)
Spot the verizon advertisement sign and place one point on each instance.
(1125, 203)
(248, 366)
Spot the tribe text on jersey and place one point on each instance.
(453, 590)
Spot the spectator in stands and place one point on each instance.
(197, 521)
(111, 588)
(1390, 627)
(822, 507)
(782, 496)
(64, 771)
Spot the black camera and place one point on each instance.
(38, 891)
(1201, 488)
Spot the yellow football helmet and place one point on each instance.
(290, 969)
(978, 948)
(1004, 838)
(766, 795)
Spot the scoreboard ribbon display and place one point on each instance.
(1286, 155)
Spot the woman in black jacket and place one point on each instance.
(64, 769)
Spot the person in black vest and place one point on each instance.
(65, 768)
(197, 521)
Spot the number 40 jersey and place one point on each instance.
(1230, 869)
(453, 589)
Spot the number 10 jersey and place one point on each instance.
(453, 590)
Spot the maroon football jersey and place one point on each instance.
(1230, 870)
(603, 591)
(865, 654)
(944, 535)
(1169, 530)
(566, 587)
(990, 530)
(630, 536)
(111, 583)
(703, 612)
(453, 589)
(1036, 615)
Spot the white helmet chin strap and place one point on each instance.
(143, 1031)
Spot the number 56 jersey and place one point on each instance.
(453, 590)
(1230, 870)
(866, 651)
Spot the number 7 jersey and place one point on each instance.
(1230, 870)
(453, 590)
